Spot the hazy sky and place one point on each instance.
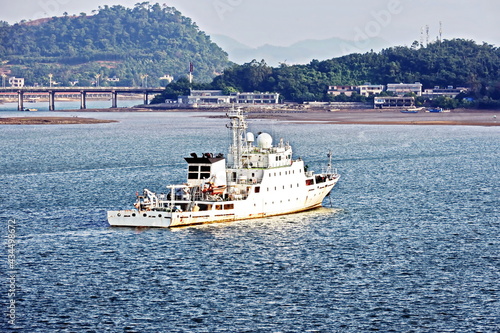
(259, 22)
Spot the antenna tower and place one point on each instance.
(427, 35)
(440, 31)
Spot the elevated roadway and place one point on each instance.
(83, 91)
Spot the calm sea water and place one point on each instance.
(71, 105)
(408, 241)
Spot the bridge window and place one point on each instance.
(204, 207)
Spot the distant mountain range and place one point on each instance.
(299, 53)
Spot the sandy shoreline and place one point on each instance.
(384, 117)
(362, 117)
(51, 121)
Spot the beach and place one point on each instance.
(365, 117)
(385, 117)
(51, 121)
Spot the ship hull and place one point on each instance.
(251, 208)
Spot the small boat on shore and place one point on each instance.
(257, 179)
(435, 110)
(414, 110)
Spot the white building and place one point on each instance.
(16, 82)
(387, 102)
(205, 97)
(370, 89)
(364, 90)
(447, 92)
(256, 98)
(339, 90)
(401, 89)
(169, 78)
(217, 97)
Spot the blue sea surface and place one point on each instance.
(71, 105)
(408, 241)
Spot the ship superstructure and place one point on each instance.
(256, 179)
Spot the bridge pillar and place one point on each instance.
(146, 97)
(83, 99)
(114, 99)
(52, 97)
(20, 99)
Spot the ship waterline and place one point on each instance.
(254, 181)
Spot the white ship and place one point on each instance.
(256, 180)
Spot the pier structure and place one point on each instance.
(82, 91)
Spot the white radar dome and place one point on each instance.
(250, 137)
(264, 140)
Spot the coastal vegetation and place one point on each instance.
(457, 62)
(113, 45)
(146, 44)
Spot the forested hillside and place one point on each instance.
(455, 62)
(126, 43)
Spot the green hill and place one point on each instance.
(456, 62)
(126, 43)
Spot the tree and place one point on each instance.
(148, 39)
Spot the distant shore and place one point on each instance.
(51, 121)
(384, 117)
(462, 117)
(391, 117)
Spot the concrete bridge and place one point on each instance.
(52, 91)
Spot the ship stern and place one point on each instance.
(134, 218)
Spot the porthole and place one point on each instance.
(144, 215)
(133, 214)
(159, 215)
(118, 214)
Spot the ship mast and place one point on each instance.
(238, 127)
